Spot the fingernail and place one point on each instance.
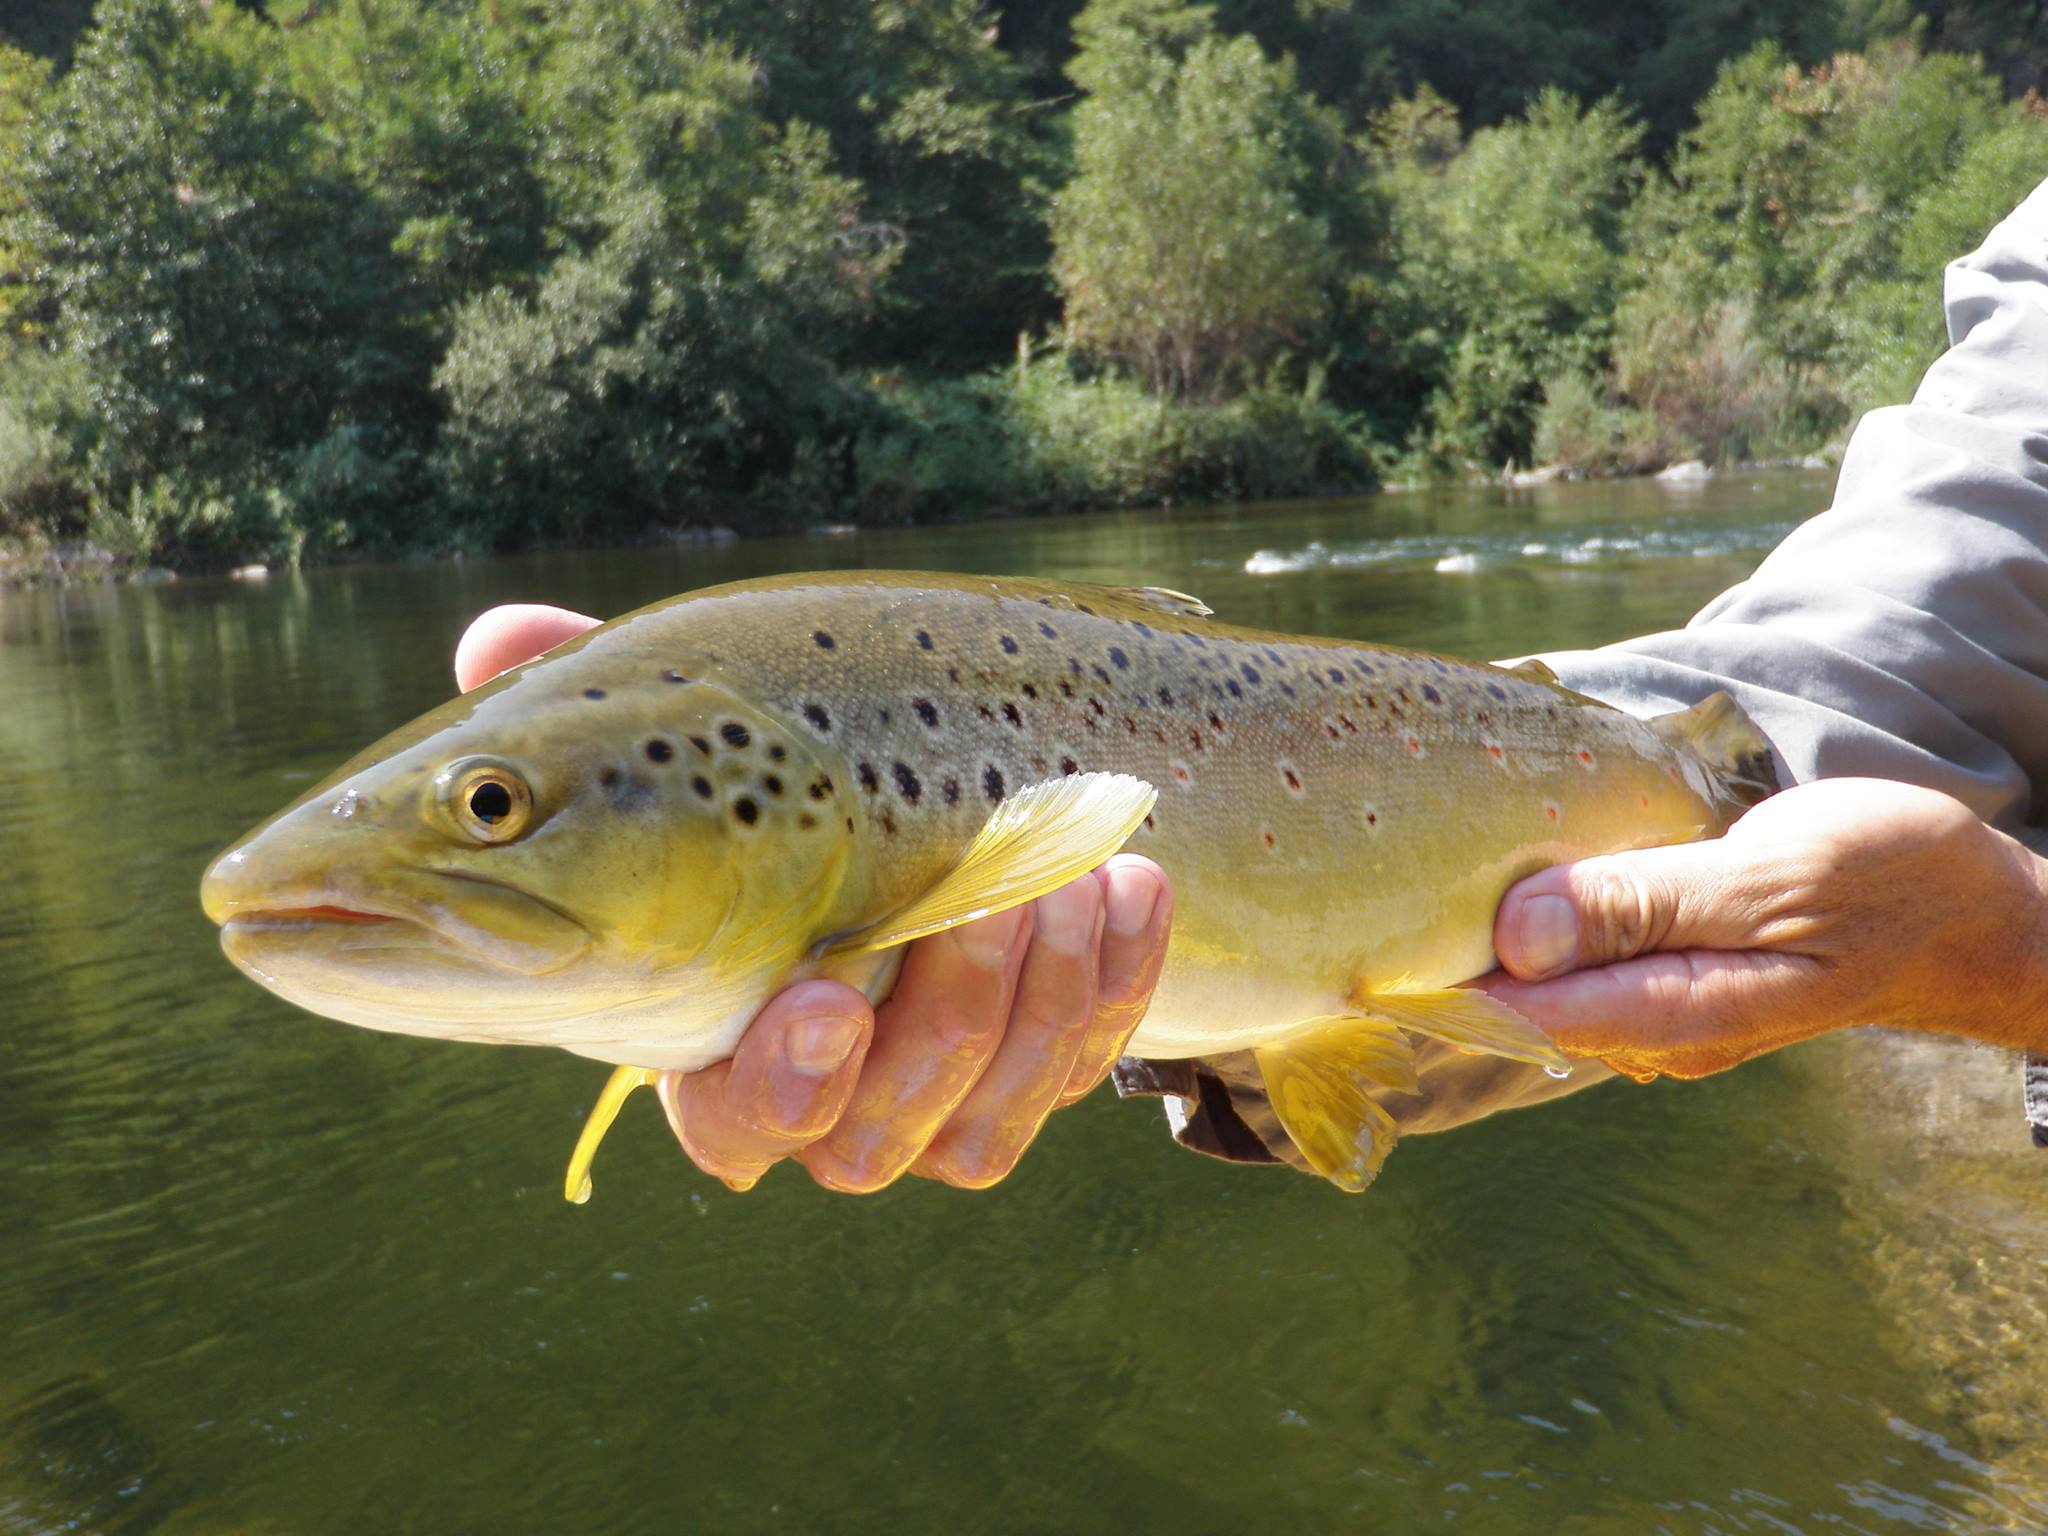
(985, 944)
(1546, 935)
(1066, 919)
(1133, 898)
(819, 1047)
(740, 1186)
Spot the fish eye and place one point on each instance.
(487, 801)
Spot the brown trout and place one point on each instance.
(625, 847)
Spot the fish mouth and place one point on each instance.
(482, 920)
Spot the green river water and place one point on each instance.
(262, 1273)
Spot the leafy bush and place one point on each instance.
(1579, 428)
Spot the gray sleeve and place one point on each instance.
(1903, 633)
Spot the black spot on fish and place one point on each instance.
(1288, 689)
(1235, 691)
(777, 752)
(1497, 691)
(1066, 688)
(924, 641)
(950, 788)
(1068, 765)
(1101, 675)
(702, 786)
(1293, 779)
(1248, 672)
(925, 711)
(825, 641)
(701, 745)
(1010, 714)
(1047, 630)
(659, 751)
(1009, 645)
(1096, 704)
(593, 693)
(882, 715)
(1030, 692)
(907, 784)
(815, 713)
(992, 782)
(734, 733)
(1215, 721)
(1198, 642)
(1084, 608)
(1432, 695)
(1118, 658)
(818, 788)
(1361, 669)
(868, 781)
(888, 823)
(1142, 628)
(984, 711)
(1336, 675)
(746, 810)
(772, 784)
(1166, 695)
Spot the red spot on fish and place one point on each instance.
(1550, 811)
(1269, 839)
(1293, 780)
(1415, 746)
(1495, 753)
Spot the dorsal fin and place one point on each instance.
(1533, 671)
(1166, 600)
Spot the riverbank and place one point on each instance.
(34, 562)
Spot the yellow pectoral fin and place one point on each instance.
(1468, 1020)
(576, 1187)
(1320, 1085)
(1034, 842)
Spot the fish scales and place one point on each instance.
(625, 847)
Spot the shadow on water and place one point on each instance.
(267, 1274)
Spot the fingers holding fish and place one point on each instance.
(1684, 1014)
(933, 1040)
(501, 638)
(1049, 1023)
(788, 1083)
(1137, 923)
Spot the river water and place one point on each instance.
(265, 1274)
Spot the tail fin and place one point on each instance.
(1735, 762)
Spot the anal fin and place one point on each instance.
(1462, 1017)
(1320, 1085)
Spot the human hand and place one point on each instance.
(1840, 902)
(991, 1026)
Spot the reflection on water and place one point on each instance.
(269, 1274)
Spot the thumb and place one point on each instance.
(1599, 910)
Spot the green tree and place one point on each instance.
(200, 262)
(419, 105)
(1509, 252)
(681, 354)
(1185, 245)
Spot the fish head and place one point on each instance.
(542, 862)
